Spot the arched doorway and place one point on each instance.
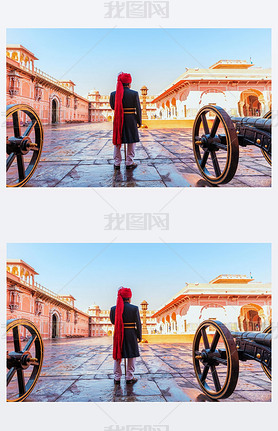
(252, 321)
(252, 107)
(252, 318)
(54, 326)
(251, 104)
(54, 111)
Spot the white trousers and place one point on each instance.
(130, 153)
(130, 368)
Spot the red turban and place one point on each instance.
(123, 78)
(119, 324)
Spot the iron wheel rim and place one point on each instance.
(36, 125)
(232, 146)
(36, 340)
(232, 361)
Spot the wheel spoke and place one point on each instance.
(205, 123)
(16, 124)
(29, 343)
(205, 338)
(204, 159)
(10, 374)
(9, 161)
(20, 167)
(21, 381)
(215, 164)
(214, 127)
(214, 341)
(29, 128)
(17, 342)
(204, 373)
(215, 378)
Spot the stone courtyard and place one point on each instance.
(82, 156)
(81, 370)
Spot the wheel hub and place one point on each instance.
(208, 143)
(20, 360)
(19, 145)
(207, 357)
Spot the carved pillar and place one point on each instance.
(144, 92)
(144, 306)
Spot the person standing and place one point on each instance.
(127, 333)
(127, 118)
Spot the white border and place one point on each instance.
(76, 215)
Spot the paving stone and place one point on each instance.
(81, 370)
(72, 154)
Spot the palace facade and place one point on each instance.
(239, 87)
(100, 110)
(236, 300)
(54, 100)
(101, 325)
(54, 315)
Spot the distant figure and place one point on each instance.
(127, 115)
(127, 333)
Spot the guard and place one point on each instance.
(127, 333)
(127, 116)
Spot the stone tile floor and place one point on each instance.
(82, 156)
(79, 370)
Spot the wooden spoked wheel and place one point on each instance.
(265, 154)
(215, 145)
(24, 358)
(267, 371)
(23, 144)
(215, 359)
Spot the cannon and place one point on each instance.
(24, 358)
(216, 138)
(216, 353)
(24, 142)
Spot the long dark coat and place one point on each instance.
(130, 344)
(130, 100)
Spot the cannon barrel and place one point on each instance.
(258, 337)
(258, 123)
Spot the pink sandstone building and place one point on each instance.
(241, 88)
(101, 325)
(54, 315)
(100, 110)
(54, 100)
(236, 300)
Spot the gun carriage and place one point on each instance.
(216, 353)
(216, 138)
(24, 143)
(24, 358)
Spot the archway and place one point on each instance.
(252, 106)
(252, 103)
(252, 321)
(54, 111)
(213, 96)
(54, 326)
(252, 318)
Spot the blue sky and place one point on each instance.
(92, 58)
(155, 272)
